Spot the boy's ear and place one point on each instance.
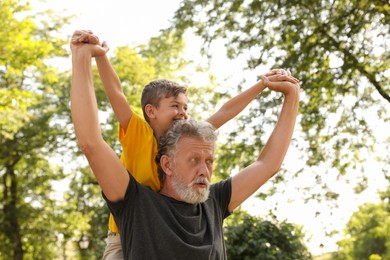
(166, 165)
(149, 110)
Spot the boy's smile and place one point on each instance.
(169, 110)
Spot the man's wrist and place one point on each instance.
(81, 55)
(292, 95)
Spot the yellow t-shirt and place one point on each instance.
(139, 149)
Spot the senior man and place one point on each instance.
(184, 220)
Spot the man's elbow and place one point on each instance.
(275, 171)
(272, 168)
(89, 145)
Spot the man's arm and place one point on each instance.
(249, 180)
(238, 103)
(105, 164)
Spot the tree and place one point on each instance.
(167, 53)
(31, 97)
(250, 237)
(338, 49)
(368, 232)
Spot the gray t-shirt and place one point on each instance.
(153, 226)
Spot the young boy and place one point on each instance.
(163, 102)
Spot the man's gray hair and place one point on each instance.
(167, 144)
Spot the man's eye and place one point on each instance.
(194, 160)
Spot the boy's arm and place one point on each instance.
(113, 87)
(249, 180)
(238, 103)
(235, 105)
(105, 164)
(110, 79)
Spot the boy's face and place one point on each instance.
(171, 109)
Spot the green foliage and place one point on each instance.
(167, 53)
(367, 234)
(240, 150)
(14, 110)
(31, 98)
(249, 237)
(86, 213)
(339, 51)
(336, 48)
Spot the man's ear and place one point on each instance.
(149, 110)
(166, 165)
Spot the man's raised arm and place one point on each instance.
(105, 164)
(249, 180)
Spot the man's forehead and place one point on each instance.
(192, 143)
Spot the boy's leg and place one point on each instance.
(113, 249)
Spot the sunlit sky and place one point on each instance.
(122, 22)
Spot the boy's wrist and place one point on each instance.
(101, 57)
(102, 60)
(260, 86)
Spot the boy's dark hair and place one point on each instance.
(157, 90)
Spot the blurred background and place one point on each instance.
(330, 200)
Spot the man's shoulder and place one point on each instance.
(221, 189)
(221, 184)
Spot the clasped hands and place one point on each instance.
(279, 80)
(85, 40)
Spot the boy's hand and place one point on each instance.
(278, 71)
(277, 77)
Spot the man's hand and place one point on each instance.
(283, 83)
(276, 75)
(84, 36)
(280, 75)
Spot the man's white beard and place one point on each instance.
(188, 193)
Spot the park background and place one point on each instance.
(332, 193)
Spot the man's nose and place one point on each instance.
(204, 170)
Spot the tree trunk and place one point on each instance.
(12, 229)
